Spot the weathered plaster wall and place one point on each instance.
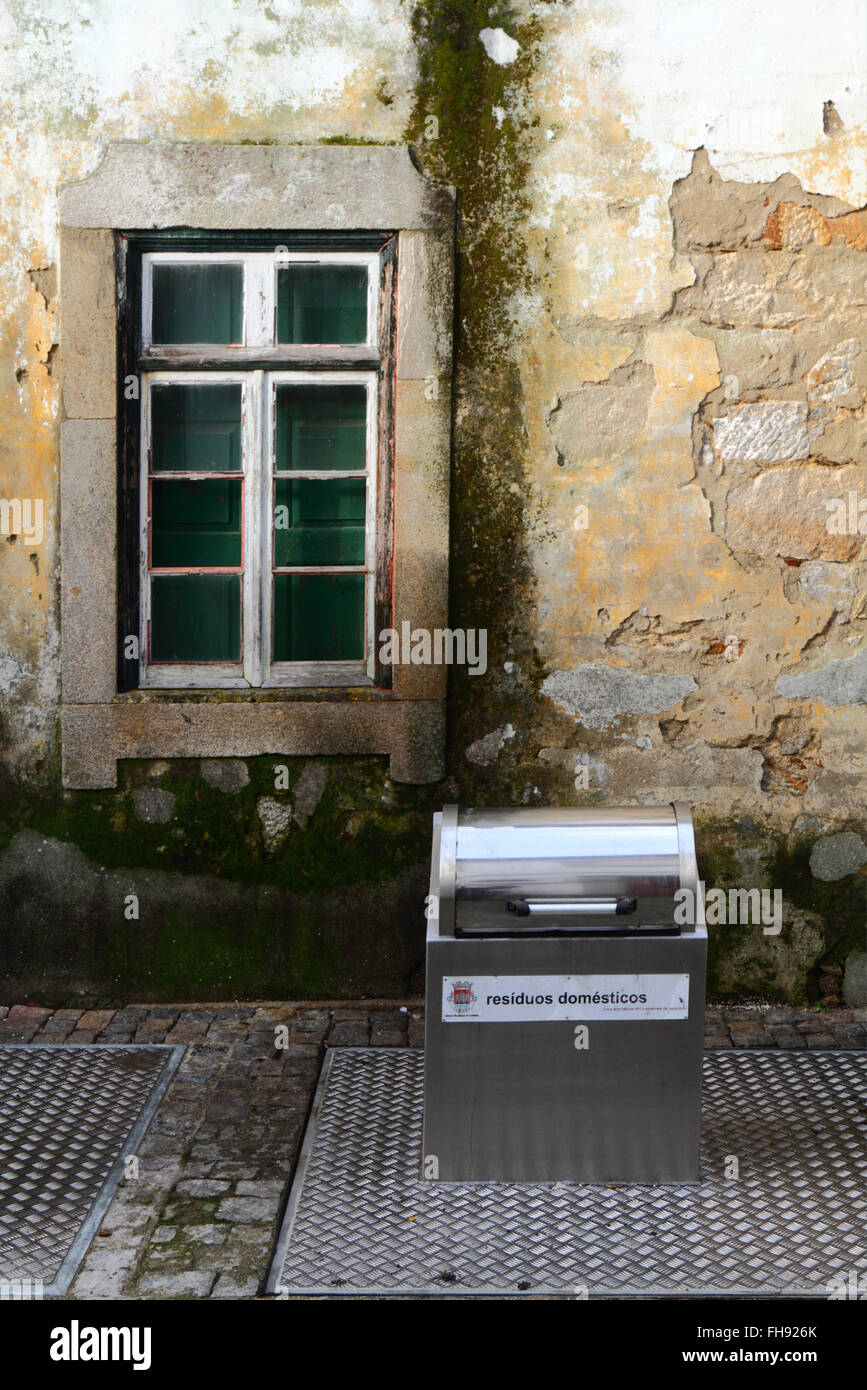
(661, 375)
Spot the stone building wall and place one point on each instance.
(659, 495)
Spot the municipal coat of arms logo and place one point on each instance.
(462, 997)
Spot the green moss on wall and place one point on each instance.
(335, 907)
(364, 829)
(821, 922)
(459, 139)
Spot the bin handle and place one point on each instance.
(541, 907)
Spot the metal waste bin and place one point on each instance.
(565, 996)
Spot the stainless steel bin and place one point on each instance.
(565, 996)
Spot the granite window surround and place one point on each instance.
(211, 188)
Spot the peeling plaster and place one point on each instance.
(596, 695)
(841, 682)
(485, 750)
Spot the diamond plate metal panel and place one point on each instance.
(69, 1115)
(359, 1219)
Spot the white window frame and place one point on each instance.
(259, 289)
(256, 669)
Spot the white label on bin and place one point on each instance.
(549, 998)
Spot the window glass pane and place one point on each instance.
(318, 617)
(196, 428)
(197, 303)
(322, 304)
(321, 427)
(195, 521)
(319, 522)
(195, 617)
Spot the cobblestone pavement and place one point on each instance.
(200, 1219)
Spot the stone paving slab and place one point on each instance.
(200, 1219)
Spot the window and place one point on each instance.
(255, 440)
(261, 376)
